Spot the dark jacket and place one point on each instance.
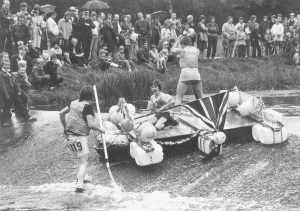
(38, 74)
(143, 56)
(20, 33)
(4, 20)
(14, 64)
(143, 27)
(263, 26)
(85, 31)
(109, 36)
(8, 86)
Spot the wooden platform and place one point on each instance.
(189, 124)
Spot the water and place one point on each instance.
(37, 173)
(61, 196)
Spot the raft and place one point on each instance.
(246, 120)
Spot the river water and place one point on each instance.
(37, 173)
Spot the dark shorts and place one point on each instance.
(191, 82)
(165, 115)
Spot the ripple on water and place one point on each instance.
(61, 196)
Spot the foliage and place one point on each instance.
(247, 74)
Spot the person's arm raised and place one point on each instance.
(175, 48)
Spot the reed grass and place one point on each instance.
(247, 74)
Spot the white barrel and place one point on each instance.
(272, 116)
(113, 109)
(143, 158)
(116, 117)
(271, 136)
(256, 131)
(219, 137)
(234, 99)
(247, 107)
(148, 133)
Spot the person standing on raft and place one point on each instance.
(189, 56)
(78, 119)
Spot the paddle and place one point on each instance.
(104, 141)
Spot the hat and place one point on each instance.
(121, 47)
(166, 43)
(292, 13)
(93, 13)
(67, 13)
(265, 16)
(23, 4)
(273, 16)
(37, 7)
(72, 8)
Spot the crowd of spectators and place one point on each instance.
(37, 44)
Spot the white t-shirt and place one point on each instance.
(160, 100)
(52, 26)
(96, 29)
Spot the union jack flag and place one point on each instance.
(211, 110)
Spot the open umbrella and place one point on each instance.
(161, 15)
(95, 5)
(48, 8)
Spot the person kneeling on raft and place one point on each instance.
(158, 102)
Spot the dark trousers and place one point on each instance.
(241, 51)
(3, 36)
(86, 46)
(20, 108)
(55, 80)
(142, 39)
(80, 61)
(268, 49)
(255, 48)
(212, 46)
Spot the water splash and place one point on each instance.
(61, 196)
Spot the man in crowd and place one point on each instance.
(117, 28)
(143, 57)
(142, 27)
(5, 22)
(263, 26)
(65, 28)
(292, 19)
(85, 27)
(229, 37)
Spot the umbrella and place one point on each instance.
(95, 5)
(48, 8)
(161, 15)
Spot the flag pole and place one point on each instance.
(104, 140)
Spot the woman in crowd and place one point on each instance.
(109, 35)
(213, 31)
(202, 37)
(36, 26)
(188, 62)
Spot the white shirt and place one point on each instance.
(278, 32)
(52, 26)
(96, 29)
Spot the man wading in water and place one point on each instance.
(189, 56)
(78, 123)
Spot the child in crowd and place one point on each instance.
(105, 61)
(241, 42)
(134, 47)
(78, 119)
(163, 56)
(22, 79)
(158, 102)
(10, 95)
(56, 50)
(119, 58)
(154, 56)
(268, 43)
(39, 79)
(50, 69)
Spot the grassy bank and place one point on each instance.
(247, 74)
